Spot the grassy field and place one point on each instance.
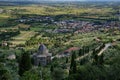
(4, 16)
(51, 10)
(22, 37)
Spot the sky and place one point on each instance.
(59, 0)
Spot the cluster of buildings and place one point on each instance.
(83, 26)
(43, 57)
(35, 19)
(68, 26)
(71, 24)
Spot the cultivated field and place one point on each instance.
(22, 37)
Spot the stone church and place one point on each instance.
(42, 57)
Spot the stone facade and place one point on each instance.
(42, 57)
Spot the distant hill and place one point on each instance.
(53, 0)
(25, 2)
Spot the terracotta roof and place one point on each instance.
(72, 49)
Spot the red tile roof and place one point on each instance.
(72, 49)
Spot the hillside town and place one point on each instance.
(59, 40)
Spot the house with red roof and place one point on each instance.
(68, 51)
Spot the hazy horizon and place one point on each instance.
(56, 0)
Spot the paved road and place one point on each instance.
(81, 57)
(105, 48)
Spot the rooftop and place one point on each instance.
(42, 49)
(72, 49)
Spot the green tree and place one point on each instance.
(25, 63)
(52, 68)
(73, 64)
(74, 67)
(101, 59)
(58, 74)
(80, 52)
(5, 75)
(67, 60)
(31, 75)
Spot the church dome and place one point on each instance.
(42, 49)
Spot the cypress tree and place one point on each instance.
(52, 68)
(80, 52)
(93, 54)
(101, 61)
(96, 59)
(67, 60)
(73, 64)
(72, 59)
(83, 50)
(74, 67)
(25, 63)
(82, 61)
(88, 49)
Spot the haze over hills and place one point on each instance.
(55, 0)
